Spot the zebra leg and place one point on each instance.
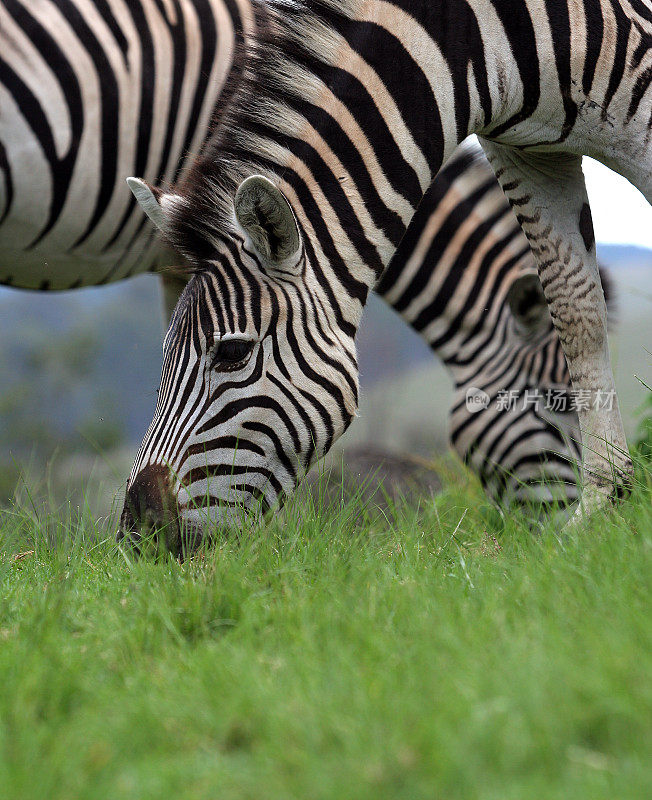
(548, 195)
(172, 283)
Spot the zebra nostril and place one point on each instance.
(149, 496)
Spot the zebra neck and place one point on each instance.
(321, 108)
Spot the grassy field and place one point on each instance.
(433, 652)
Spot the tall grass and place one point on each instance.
(444, 651)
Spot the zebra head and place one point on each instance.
(513, 418)
(258, 379)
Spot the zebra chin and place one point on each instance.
(185, 532)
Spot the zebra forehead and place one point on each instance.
(219, 301)
(193, 304)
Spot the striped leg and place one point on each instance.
(549, 197)
(172, 284)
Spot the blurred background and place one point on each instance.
(79, 370)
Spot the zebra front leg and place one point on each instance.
(548, 195)
(172, 283)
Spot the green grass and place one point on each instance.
(432, 653)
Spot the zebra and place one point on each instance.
(311, 178)
(80, 92)
(41, 233)
(464, 278)
(482, 311)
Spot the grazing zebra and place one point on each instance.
(82, 84)
(313, 173)
(464, 278)
(483, 312)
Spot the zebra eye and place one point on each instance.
(230, 353)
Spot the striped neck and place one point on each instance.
(318, 105)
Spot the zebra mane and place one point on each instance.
(272, 73)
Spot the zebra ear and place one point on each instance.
(153, 201)
(528, 305)
(266, 217)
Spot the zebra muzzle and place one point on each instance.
(150, 512)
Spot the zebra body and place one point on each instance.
(91, 92)
(308, 184)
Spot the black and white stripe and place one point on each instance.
(482, 311)
(92, 91)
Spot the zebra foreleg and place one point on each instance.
(172, 283)
(548, 195)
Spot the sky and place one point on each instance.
(621, 215)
